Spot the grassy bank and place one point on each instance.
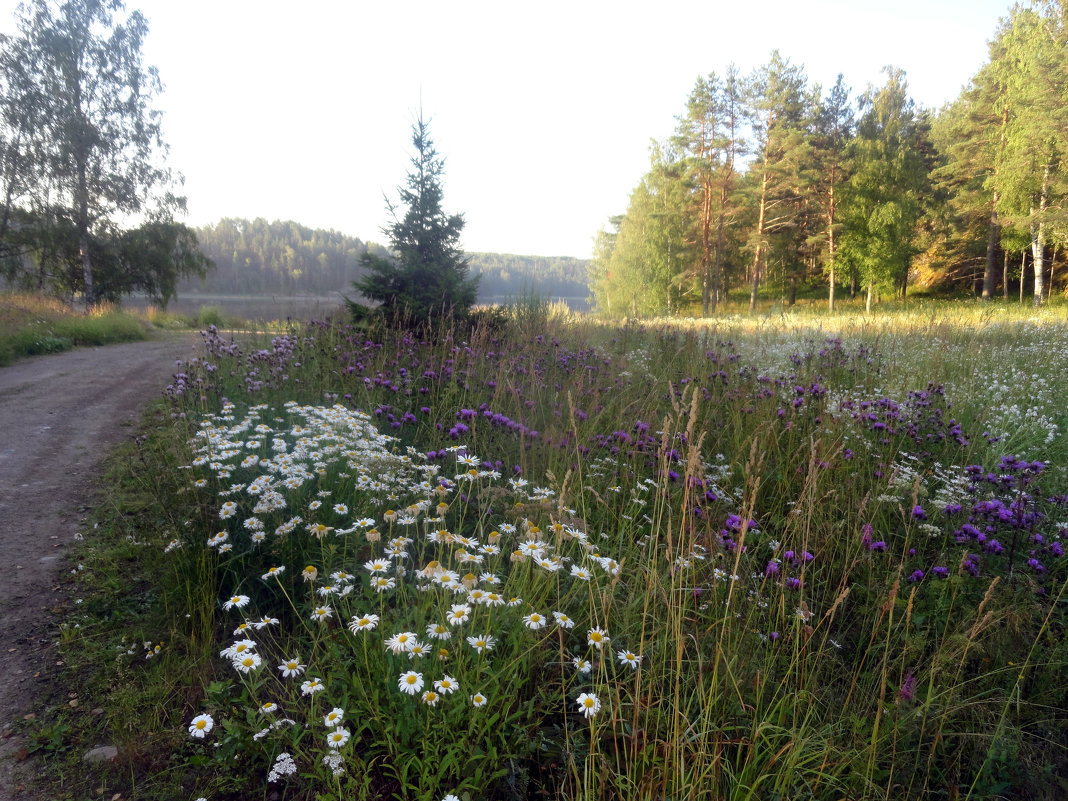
(31, 325)
(783, 557)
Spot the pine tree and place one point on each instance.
(426, 273)
(709, 139)
(833, 132)
(777, 111)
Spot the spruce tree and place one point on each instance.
(426, 273)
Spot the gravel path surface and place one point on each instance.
(59, 416)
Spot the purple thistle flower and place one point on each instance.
(907, 691)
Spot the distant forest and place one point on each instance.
(257, 257)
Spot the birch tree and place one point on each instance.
(100, 150)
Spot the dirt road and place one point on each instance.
(59, 416)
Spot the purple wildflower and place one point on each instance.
(907, 690)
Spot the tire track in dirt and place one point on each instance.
(59, 417)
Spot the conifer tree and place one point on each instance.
(780, 144)
(426, 272)
(709, 139)
(833, 133)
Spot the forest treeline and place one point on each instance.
(257, 257)
(771, 185)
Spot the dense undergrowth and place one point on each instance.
(551, 558)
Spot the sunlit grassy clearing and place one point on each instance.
(843, 634)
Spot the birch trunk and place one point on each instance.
(1038, 241)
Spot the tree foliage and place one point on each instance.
(645, 264)
(426, 271)
(883, 197)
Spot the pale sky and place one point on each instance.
(544, 111)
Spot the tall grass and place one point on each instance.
(827, 554)
(31, 325)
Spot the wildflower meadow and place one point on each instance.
(548, 557)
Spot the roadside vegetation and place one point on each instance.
(778, 556)
(33, 324)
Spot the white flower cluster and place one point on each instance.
(283, 766)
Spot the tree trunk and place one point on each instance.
(1052, 267)
(759, 252)
(993, 235)
(1023, 271)
(867, 303)
(706, 239)
(81, 159)
(717, 274)
(830, 244)
(1005, 275)
(1038, 241)
(993, 238)
(83, 251)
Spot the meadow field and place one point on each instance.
(782, 557)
